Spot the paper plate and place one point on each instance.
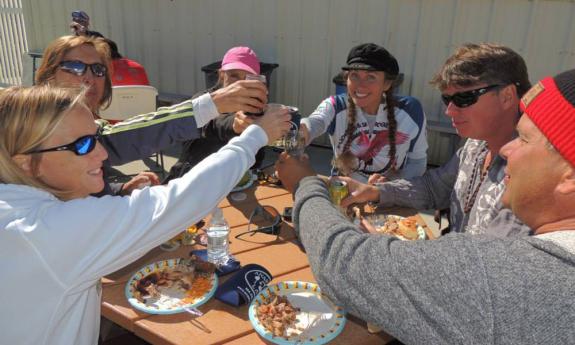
(170, 304)
(326, 319)
(248, 184)
(378, 220)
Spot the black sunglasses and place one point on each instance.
(266, 219)
(467, 98)
(79, 68)
(81, 146)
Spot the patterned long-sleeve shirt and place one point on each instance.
(453, 185)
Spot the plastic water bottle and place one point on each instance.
(218, 232)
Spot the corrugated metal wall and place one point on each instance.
(12, 42)
(310, 39)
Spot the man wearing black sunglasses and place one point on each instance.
(480, 85)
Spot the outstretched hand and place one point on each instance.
(290, 170)
(376, 178)
(241, 122)
(143, 179)
(246, 95)
(305, 132)
(359, 192)
(275, 122)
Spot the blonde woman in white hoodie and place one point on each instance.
(56, 241)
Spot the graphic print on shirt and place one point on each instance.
(410, 120)
(366, 148)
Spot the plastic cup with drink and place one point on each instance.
(293, 142)
(263, 79)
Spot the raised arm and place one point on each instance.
(430, 191)
(319, 121)
(146, 134)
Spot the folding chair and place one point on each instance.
(131, 100)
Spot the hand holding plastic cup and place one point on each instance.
(293, 142)
(276, 122)
(261, 78)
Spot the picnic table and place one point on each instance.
(222, 323)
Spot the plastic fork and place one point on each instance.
(194, 311)
(304, 334)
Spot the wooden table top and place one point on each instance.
(222, 323)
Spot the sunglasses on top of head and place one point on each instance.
(467, 98)
(79, 68)
(81, 146)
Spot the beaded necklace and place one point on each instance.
(477, 172)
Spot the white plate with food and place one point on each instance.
(401, 227)
(406, 229)
(246, 182)
(172, 286)
(295, 312)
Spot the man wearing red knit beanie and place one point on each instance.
(540, 175)
(462, 288)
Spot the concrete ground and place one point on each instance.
(320, 158)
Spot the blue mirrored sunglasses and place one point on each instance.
(467, 98)
(81, 146)
(79, 68)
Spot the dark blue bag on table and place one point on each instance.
(244, 285)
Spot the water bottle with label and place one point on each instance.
(218, 232)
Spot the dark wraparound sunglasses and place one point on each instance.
(467, 98)
(79, 68)
(81, 146)
(266, 219)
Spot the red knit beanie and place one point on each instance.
(550, 104)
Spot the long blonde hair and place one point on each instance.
(54, 54)
(28, 116)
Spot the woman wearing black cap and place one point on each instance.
(370, 129)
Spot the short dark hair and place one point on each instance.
(487, 63)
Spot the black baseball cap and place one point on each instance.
(371, 57)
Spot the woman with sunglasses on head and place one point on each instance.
(57, 241)
(481, 85)
(82, 60)
(371, 129)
